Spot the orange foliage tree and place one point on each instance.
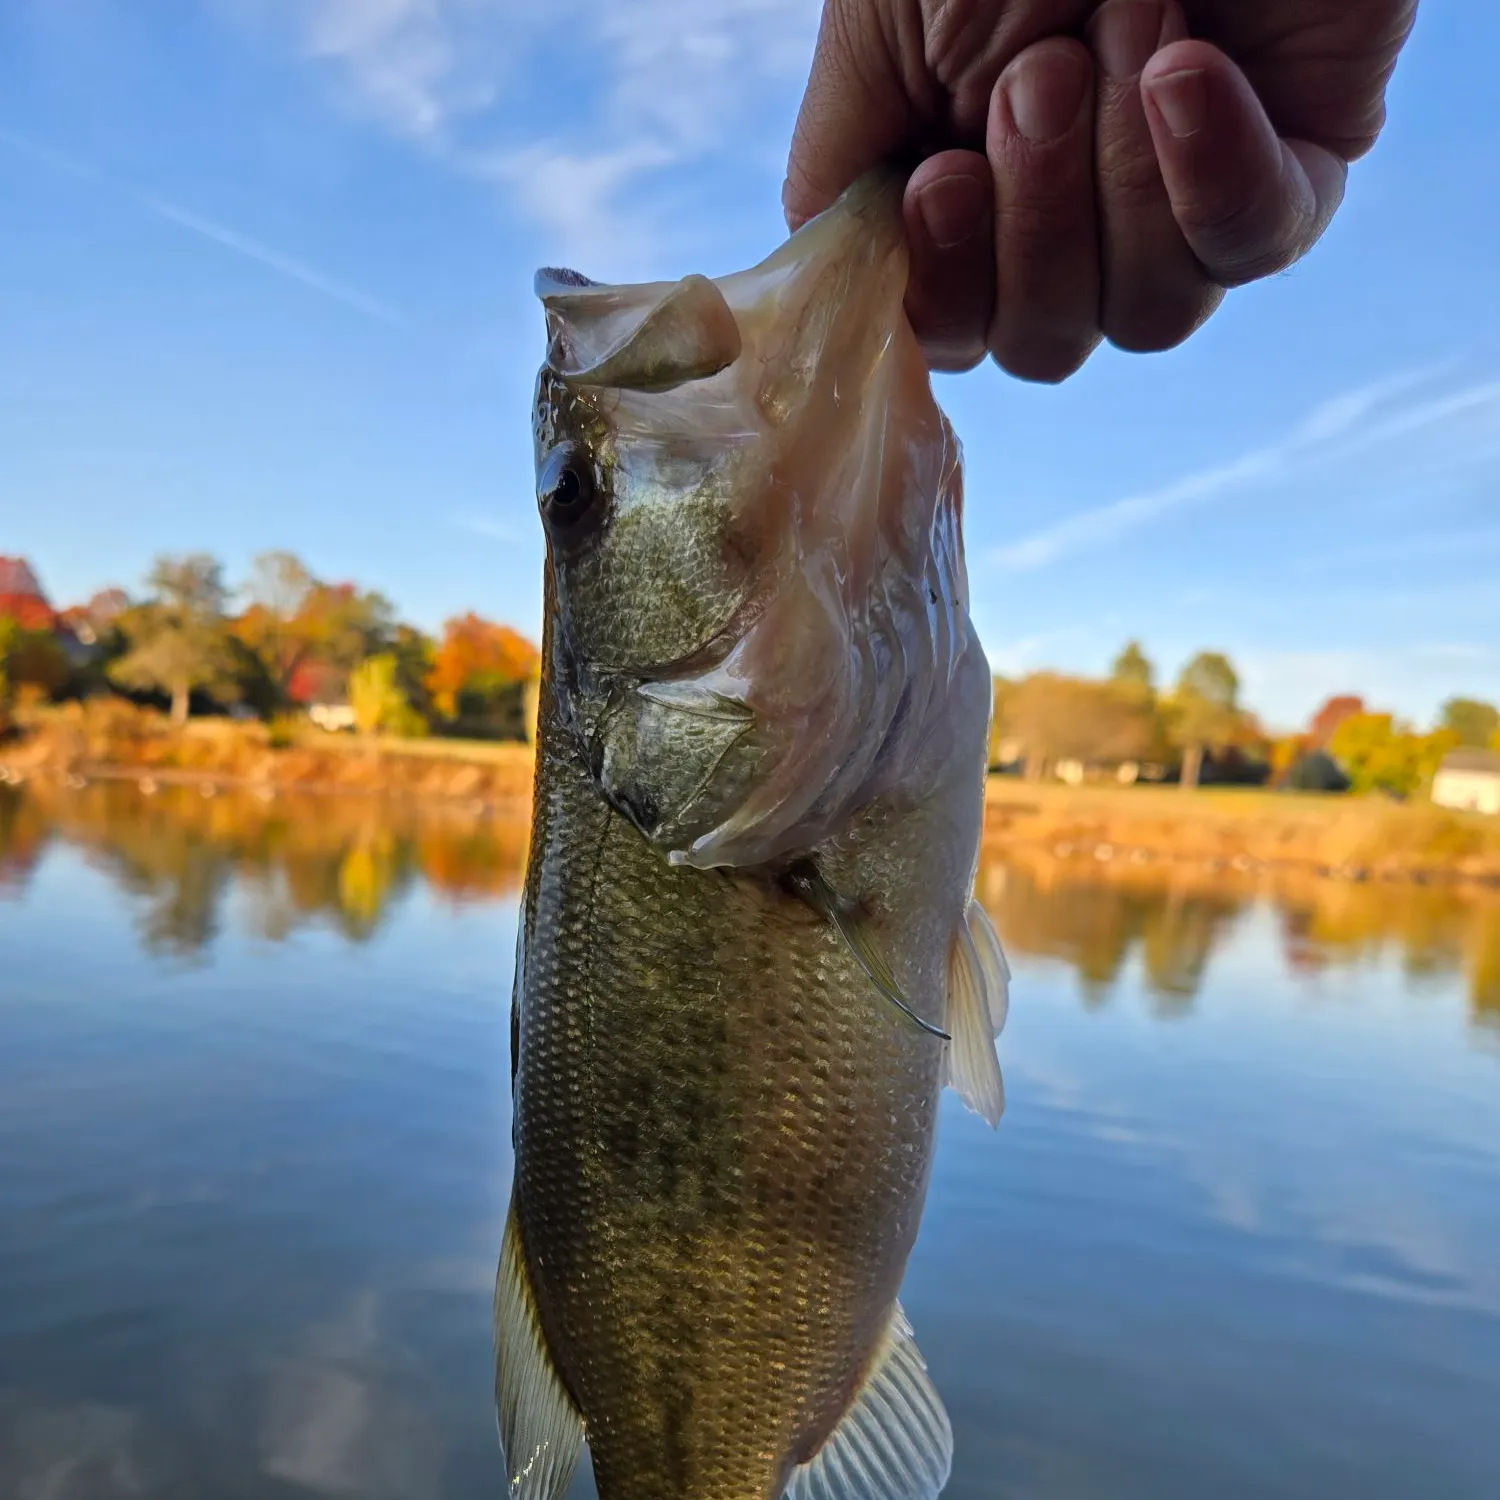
(1335, 711)
(478, 655)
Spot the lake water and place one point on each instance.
(1238, 1235)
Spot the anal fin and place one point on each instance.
(540, 1429)
(978, 982)
(894, 1443)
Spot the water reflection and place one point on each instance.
(1100, 918)
(294, 859)
(255, 1152)
(348, 862)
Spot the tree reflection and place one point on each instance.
(293, 861)
(348, 862)
(23, 837)
(1173, 918)
(1096, 920)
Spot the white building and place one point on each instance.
(1469, 779)
(336, 718)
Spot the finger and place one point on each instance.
(855, 113)
(1154, 291)
(1041, 147)
(1247, 203)
(950, 293)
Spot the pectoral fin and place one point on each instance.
(851, 925)
(540, 1429)
(894, 1443)
(975, 1012)
(992, 965)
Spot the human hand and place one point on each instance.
(1088, 170)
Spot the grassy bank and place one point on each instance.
(1352, 838)
(110, 741)
(1232, 830)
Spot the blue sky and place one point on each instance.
(265, 281)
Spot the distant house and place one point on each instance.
(1469, 779)
(336, 718)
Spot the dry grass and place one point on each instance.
(1244, 830)
(110, 740)
(1353, 837)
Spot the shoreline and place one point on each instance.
(1236, 831)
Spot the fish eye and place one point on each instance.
(566, 491)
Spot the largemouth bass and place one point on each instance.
(749, 958)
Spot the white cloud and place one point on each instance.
(1343, 414)
(576, 197)
(1342, 428)
(417, 66)
(570, 106)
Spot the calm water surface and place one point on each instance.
(1239, 1234)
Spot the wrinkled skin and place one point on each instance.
(758, 664)
(1099, 218)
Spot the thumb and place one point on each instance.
(855, 114)
(1248, 203)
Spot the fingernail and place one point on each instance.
(952, 209)
(1125, 34)
(1182, 99)
(1045, 100)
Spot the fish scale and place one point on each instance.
(695, 1157)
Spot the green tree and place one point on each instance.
(380, 707)
(179, 638)
(1379, 754)
(414, 652)
(31, 662)
(1205, 711)
(8, 632)
(1472, 722)
(1132, 668)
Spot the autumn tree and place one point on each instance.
(1000, 691)
(1205, 711)
(178, 639)
(1378, 753)
(278, 587)
(380, 707)
(1069, 718)
(476, 659)
(1323, 724)
(1472, 723)
(1132, 668)
(415, 653)
(32, 663)
(304, 630)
